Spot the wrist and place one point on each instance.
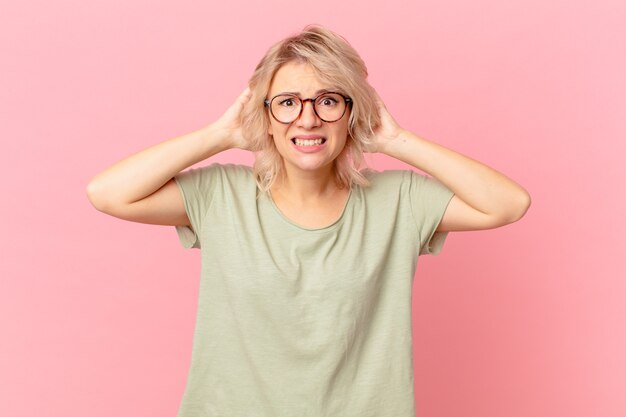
(392, 145)
(216, 138)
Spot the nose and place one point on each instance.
(308, 118)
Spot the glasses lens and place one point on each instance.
(286, 108)
(329, 107)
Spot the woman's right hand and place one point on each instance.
(229, 124)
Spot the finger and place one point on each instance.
(379, 100)
(244, 95)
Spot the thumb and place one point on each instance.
(245, 95)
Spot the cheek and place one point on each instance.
(344, 134)
(276, 129)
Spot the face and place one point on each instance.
(300, 78)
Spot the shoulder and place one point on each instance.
(227, 168)
(385, 186)
(219, 171)
(235, 170)
(215, 178)
(393, 178)
(404, 183)
(402, 178)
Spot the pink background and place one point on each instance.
(97, 314)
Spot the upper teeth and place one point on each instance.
(308, 142)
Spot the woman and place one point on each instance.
(307, 260)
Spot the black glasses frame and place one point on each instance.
(347, 100)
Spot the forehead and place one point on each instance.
(297, 77)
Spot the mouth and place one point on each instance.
(308, 142)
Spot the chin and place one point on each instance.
(311, 165)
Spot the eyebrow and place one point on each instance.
(297, 93)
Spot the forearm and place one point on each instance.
(144, 172)
(478, 185)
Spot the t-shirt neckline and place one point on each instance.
(308, 229)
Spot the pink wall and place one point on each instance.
(97, 314)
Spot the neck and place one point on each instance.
(306, 186)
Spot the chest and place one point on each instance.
(313, 214)
(260, 251)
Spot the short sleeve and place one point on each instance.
(429, 200)
(197, 187)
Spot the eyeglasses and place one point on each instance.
(328, 106)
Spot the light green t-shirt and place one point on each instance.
(296, 322)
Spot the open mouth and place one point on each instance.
(308, 142)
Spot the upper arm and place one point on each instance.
(165, 206)
(460, 216)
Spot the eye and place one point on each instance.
(287, 102)
(327, 101)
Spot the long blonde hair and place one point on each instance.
(336, 62)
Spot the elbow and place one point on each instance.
(521, 207)
(514, 211)
(95, 197)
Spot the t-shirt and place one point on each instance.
(299, 322)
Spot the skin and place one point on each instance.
(307, 193)
(484, 198)
(140, 187)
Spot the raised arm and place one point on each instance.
(141, 188)
(484, 198)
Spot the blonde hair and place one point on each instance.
(336, 62)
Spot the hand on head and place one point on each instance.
(387, 131)
(230, 122)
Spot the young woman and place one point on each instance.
(307, 259)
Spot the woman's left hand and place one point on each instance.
(388, 131)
